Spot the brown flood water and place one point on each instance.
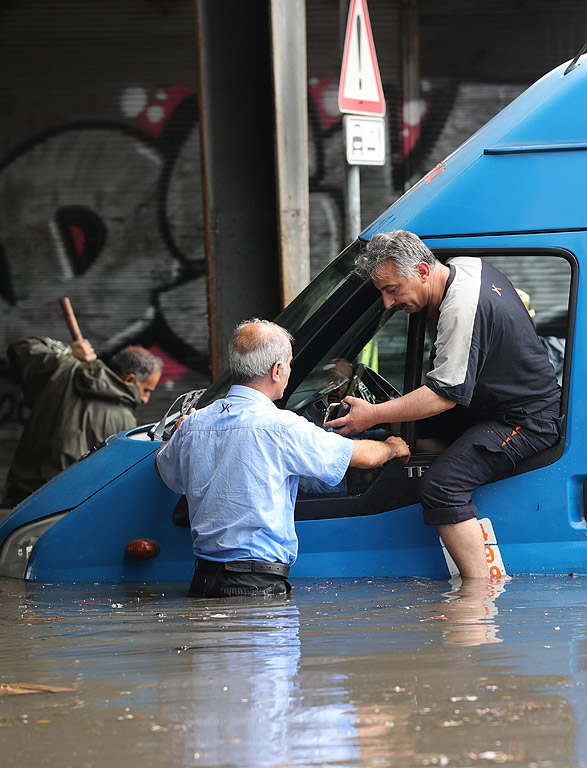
(400, 673)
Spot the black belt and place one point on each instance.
(244, 566)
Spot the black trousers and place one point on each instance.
(485, 450)
(212, 580)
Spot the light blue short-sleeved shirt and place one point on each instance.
(238, 461)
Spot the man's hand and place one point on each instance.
(358, 419)
(419, 404)
(180, 421)
(83, 351)
(375, 453)
(400, 448)
(174, 428)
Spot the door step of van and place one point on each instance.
(418, 464)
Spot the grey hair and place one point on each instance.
(403, 249)
(255, 346)
(137, 360)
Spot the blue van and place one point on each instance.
(512, 195)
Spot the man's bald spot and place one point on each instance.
(251, 336)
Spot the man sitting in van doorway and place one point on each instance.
(486, 359)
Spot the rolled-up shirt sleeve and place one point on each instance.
(314, 452)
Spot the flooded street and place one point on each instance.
(399, 673)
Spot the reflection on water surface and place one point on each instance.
(389, 672)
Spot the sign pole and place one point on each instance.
(360, 96)
(353, 201)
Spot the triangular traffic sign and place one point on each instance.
(360, 91)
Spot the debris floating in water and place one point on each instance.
(14, 689)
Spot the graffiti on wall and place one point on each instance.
(108, 213)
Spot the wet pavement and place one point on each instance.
(400, 673)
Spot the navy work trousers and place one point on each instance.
(485, 450)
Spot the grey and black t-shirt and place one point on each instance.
(487, 354)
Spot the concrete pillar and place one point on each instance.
(238, 166)
(253, 107)
(288, 28)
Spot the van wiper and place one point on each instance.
(161, 430)
(574, 63)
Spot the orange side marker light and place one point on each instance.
(143, 549)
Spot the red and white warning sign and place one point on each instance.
(360, 91)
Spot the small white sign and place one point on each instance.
(364, 140)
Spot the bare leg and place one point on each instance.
(466, 546)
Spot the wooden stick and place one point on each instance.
(76, 334)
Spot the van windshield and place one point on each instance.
(319, 290)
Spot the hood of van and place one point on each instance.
(81, 480)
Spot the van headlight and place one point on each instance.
(17, 547)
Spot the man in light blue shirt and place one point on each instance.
(239, 460)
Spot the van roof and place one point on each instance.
(524, 171)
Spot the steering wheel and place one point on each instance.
(364, 383)
(319, 396)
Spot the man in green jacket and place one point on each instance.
(76, 401)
